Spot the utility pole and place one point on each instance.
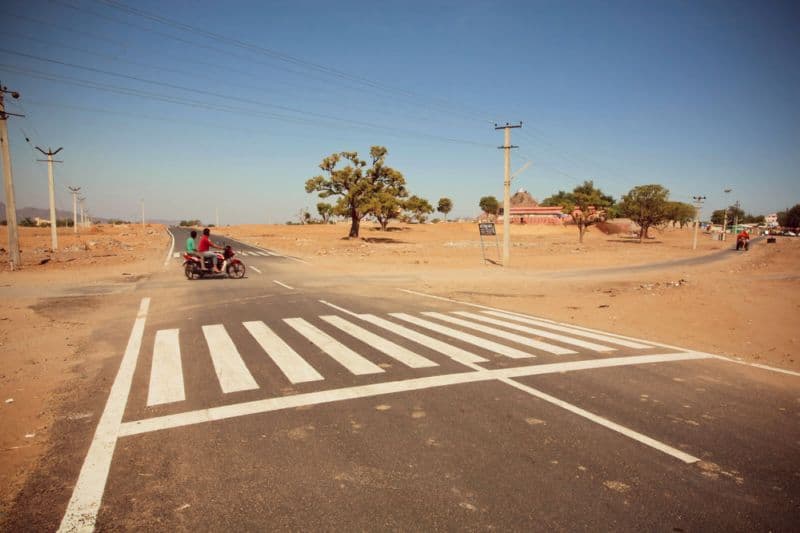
(507, 146)
(142, 213)
(83, 210)
(74, 191)
(736, 217)
(53, 233)
(698, 205)
(8, 181)
(725, 216)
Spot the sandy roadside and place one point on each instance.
(51, 307)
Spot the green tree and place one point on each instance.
(680, 213)
(418, 207)
(790, 218)
(386, 205)
(325, 211)
(646, 205)
(586, 205)
(445, 206)
(489, 205)
(717, 216)
(356, 184)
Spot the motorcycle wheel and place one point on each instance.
(235, 270)
(191, 271)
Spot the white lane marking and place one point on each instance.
(343, 355)
(757, 365)
(231, 371)
(264, 254)
(362, 391)
(464, 337)
(453, 352)
(395, 351)
(635, 435)
(171, 247)
(243, 253)
(571, 330)
(543, 346)
(282, 284)
(175, 255)
(254, 268)
(538, 332)
(81, 513)
(294, 367)
(166, 373)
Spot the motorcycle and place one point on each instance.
(742, 243)
(196, 267)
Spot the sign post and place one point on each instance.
(487, 228)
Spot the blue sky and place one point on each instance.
(698, 96)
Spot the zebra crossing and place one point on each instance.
(501, 334)
(243, 253)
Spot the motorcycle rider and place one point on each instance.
(191, 243)
(743, 238)
(204, 249)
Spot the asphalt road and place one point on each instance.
(285, 401)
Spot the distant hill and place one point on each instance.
(33, 212)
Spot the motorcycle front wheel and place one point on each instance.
(192, 271)
(235, 270)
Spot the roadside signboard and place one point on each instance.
(488, 229)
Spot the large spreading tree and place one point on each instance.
(647, 206)
(586, 205)
(356, 184)
(489, 205)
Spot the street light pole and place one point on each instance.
(51, 182)
(725, 216)
(698, 205)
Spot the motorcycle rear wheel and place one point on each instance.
(235, 270)
(192, 271)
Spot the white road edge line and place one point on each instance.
(635, 435)
(284, 256)
(282, 284)
(81, 513)
(171, 247)
(224, 412)
(658, 344)
(254, 268)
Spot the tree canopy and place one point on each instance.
(357, 185)
(489, 205)
(418, 208)
(325, 211)
(646, 205)
(790, 218)
(445, 206)
(680, 213)
(586, 205)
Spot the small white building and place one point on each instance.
(771, 220)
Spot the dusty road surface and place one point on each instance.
(360, 390)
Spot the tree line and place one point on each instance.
(647, 205)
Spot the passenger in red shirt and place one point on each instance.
(204, 248)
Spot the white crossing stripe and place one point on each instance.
(342, 354)
(243, 253)
(453, 352)
(571, 331)
(464, 337)
(535, 331)
(395, 351)
(166, 374)
(231, 371)
(176, 254)
(543, 346)
(264, 254)
(294, 367)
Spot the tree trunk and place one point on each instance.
(642, 233)
(354, 225)
(581, 231)
(384, 222)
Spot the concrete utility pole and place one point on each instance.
(83, 210)
(736, 217)
(698, 205)
(8, 181)
(142, 213)
(507, 146)
(53, 233)
(725, 216)
(74, 191)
